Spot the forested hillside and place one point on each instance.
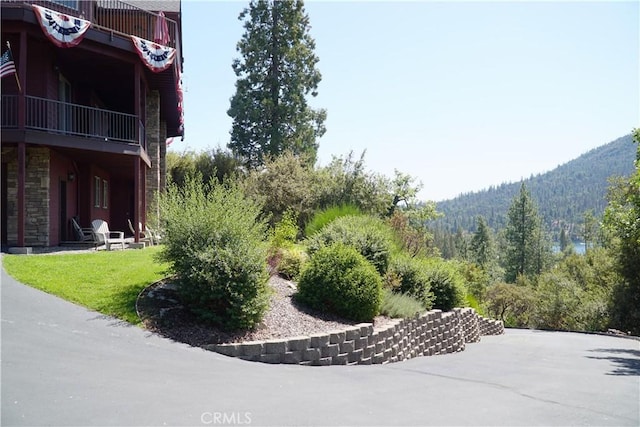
(563, 195)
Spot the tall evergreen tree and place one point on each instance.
(564, 240)
(276, 73)
(589, 229)
(525, 245)
(461, 245)
(482, 250)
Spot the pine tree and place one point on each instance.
(482, 251)
(276, 73)
(526, 250)
(564, 240)
(589, 229)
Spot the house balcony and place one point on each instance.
(113, 16)
(106, 60)
(81, 125)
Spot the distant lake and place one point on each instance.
(578, 247)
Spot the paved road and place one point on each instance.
(64, 365)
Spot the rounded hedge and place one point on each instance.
(370, 236)
(446, 284)
(338, 279)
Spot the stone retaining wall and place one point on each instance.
(428, 334)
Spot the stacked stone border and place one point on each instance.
(428, 334)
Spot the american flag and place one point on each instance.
(7, 66)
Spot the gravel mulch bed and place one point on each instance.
(161, 311)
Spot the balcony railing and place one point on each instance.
(109, 15)
(72, 119)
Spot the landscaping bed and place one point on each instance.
(161, 311)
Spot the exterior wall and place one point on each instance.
(83, 184)
(428, 334)
(121, 204)
(60, 169)
(99, 212)
(37, 196)
(41, 79)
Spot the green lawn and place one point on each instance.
(105, 281)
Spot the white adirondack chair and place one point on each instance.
(144, 236)
(105, 236)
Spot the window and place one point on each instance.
(96, 191)
(105, 193)
(72, 4)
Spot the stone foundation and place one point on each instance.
(428, 334)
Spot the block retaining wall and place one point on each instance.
(428, 334)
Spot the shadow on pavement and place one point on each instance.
(623, 365)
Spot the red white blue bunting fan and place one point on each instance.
(180, 95)
(63, 30)
(156, 57)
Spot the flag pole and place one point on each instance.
(16, 72)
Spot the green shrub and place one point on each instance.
(369, 236)
(291, 261)
(471, 301)
(285, 182)
(216, 246)
(560, 303)
(285, 231)
(446, 284)
(326, 216)
(340, 280)
(399, 305)
(410, 277)
(510, 303)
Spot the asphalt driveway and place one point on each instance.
(65, 365)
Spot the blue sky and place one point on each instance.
(461, 95)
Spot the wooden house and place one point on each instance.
(85, 122)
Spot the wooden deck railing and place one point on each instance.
(72, 119)
(109, 15)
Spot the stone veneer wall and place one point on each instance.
(153, 135)
(37, 193)
(428, 334)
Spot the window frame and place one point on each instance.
(105, 193)
(96, 191)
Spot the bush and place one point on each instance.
(510, 303)
(216, 247)
(558, 303)
(369, 236)
(285, 182)
(326, 216)
(409, 276)
(399, 305)
(446, 284)
(285, 231)
(340, 280)
(290, 262)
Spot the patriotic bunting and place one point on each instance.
(180, 94)
(156, 57)
(63, 30)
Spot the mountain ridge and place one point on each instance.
(562, 194)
